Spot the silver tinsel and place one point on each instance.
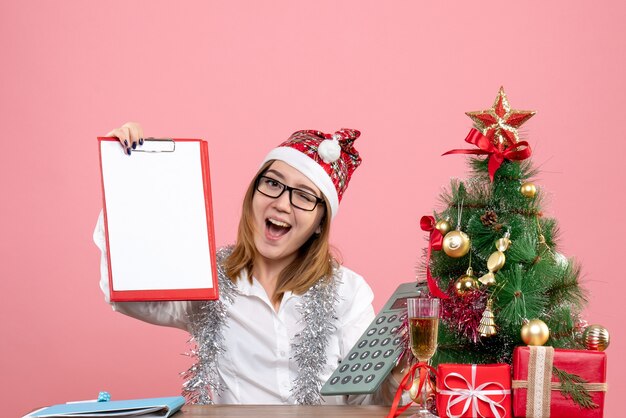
(207, 321)
(309, 346)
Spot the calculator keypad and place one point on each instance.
(377, 348)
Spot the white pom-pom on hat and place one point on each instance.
(329, 149)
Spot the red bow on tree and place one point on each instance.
(497, 154)
(427, 223)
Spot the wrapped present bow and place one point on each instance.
(470, 390)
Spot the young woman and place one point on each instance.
(288, 311)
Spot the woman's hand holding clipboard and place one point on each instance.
(167, 253)
(130, 136)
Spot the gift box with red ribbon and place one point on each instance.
(557, 383)
(470, 390)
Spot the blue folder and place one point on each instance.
(143, 408)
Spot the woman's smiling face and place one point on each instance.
(280, 229)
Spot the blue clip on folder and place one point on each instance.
(143, 408)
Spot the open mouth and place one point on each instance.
(275, 228)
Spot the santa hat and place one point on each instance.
(327, 160)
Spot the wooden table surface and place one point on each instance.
(281, 411)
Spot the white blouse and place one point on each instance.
(257, 367)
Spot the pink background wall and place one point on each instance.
(244, 75)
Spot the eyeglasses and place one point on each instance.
(298, 198)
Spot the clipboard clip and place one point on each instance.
(157, 145)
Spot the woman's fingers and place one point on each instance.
(123, 135)
(130, 136)
(135, 134)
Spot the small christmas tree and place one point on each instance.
(498, 266)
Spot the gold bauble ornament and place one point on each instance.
(528, 189)
(443, 226)
(535, 332)
(456, 243)
(596, 337)
(466, 283)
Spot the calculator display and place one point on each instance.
(399, 303)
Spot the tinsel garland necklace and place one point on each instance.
(308, 347)
(206, 324)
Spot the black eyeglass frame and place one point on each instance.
(318, 200)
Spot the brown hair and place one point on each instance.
(313, 263)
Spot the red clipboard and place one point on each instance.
(158, 219)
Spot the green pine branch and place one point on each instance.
(550, 231)
(519, 296)
(484, 237)
(562, 324)
(523, 249)
(521, 171)
(565, 285)
(572, 387)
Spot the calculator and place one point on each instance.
(376, 352)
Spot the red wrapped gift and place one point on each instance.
(470, 390)
(537, 387)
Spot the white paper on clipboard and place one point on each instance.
(158, 220)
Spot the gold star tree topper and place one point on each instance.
(500, 123)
